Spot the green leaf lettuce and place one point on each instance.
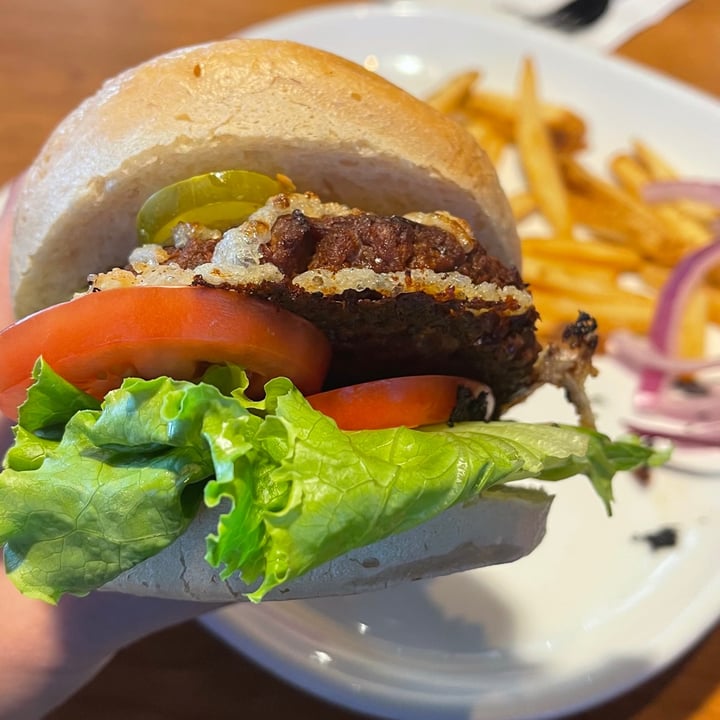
(88, 491)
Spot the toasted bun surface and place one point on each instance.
(269, 106)
(502, 526)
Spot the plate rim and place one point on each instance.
(418, 9)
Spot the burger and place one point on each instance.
(270, 317)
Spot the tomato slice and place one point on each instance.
(402, 401)
(98, 339)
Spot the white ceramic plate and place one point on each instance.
(594, 611)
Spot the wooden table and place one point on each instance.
(55, 53)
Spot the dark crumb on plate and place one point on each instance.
(690, 386)
(642, 475)
(666, 537)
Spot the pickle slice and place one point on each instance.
(218, 200)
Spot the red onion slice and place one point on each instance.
(667, 321)
(637, 353)
(664, 406)
(670, 190)
(682, 432)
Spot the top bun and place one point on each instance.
(270, 106)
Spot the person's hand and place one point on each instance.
(7, 212)
(49, 652)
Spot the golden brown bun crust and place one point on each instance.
(270, 106)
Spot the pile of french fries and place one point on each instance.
(605, 251)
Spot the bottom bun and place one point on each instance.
(502, 526)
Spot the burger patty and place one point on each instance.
(383, 244)
(380, 243)
(414, 333)
(394, 295)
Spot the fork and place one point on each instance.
(574, 15)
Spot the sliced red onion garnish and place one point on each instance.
(682, 432)
(638, 353)
(665, 405)
(665, 328)
(669, 190)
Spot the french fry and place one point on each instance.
(621, 309)
(687, 231)
(700, 212)
(582, 253)
(563, 277)
(659, 169)
(538, 156)
(452, 95)
(603, 229)
(617, 222)
(692, 340)
(566, 128)
(488, 136)
(713, 304)
(617, 214)
(697, 312)
(655, 277)
(523, 205)
(629, 173)
(656, 167)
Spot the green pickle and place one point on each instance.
(218, 200)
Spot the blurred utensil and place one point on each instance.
(574, 15)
